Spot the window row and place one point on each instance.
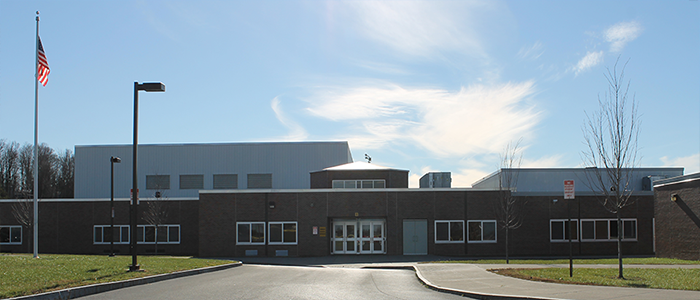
(11, 235)
(220, 181)
(592, 230)
(279, 233)
(145, 234)
(359, 184)
(478, 231)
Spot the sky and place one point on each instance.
(440, 86)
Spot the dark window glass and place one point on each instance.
(442, 231)
(613, 229)
(630, 229)
(150, 234)
(489, 231)
(290, 233)
(98, 234)
(244, 233)
(587, 230)
(174, 234)
(125, 234)
(601, 230)
(257, 233)
(162, 234)
(275, 233)
(16, 235)
(456, 231)
(557, 230)
(474, 231)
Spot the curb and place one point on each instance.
(470, 294)
(86, 290)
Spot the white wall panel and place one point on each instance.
(289, 162)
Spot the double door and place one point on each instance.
(359, 237)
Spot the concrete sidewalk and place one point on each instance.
(473, 280)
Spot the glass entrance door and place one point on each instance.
(372, 237)
(344, 237)
(358, 236)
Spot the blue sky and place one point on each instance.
(423, 86)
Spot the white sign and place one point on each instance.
(568, 189)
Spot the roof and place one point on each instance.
(358, 166)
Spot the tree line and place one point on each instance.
(56, 171)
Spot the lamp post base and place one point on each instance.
(134, 268)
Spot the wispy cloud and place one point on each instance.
(474, 120)
(622, 33)
(691, 163)
(296, 131)
(418, 28)
(591, 59)
(552, 161)
(531, 52)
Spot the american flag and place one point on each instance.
(42, 65)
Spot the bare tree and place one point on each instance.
(26, 169)
(508, 207)
(23, 210)
(65, 171)
(9, 169)
(611, 138)
(156, 214)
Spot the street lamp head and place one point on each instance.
(151, 87)
(115, 159)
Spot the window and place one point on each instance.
(359, 184)
(10, 235)
(283, 233)
(606, 230)
(157, 182)
(225, 181)
(250, 233)
(259, 181)
(101, 234)
(449, 231)
(191, 182)
(166, 234)
(482, 231)
(559, 230)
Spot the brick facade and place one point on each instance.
(677, 222)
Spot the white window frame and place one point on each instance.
(610, 238)
(358, 183)
(9, 232)
(105, 228)
(283, 242)
(563, 225)
(482, 241)
(250, 233)
(142, 230)
(449, 232)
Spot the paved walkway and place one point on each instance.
(475, 281)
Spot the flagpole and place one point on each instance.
(35, 224)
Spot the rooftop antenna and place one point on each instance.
(368, 158)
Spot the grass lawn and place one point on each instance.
(675, 278)
(607, 261)
(24, 275)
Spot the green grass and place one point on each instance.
(675, 278)
(24, 275)
(607, 261)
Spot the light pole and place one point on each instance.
(148, 87)
(112, 160)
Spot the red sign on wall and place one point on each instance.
(568, 189)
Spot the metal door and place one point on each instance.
(415, 237)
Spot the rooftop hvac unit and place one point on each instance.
(436, 180)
